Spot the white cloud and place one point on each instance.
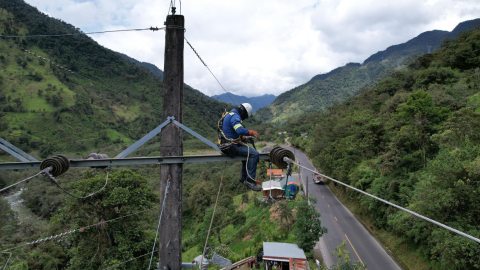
(259, 47)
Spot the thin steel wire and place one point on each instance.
(159, 222)
(201, 60)
(391, 204)
(77, 34)
(46, 170)
(72, 231)
(213, 215)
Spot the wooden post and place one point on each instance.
(170, 235)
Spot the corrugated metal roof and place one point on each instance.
(271, 184)
(284, 250)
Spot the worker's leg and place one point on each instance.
(244, 171)
(252, 161)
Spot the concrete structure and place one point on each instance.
(288, 256)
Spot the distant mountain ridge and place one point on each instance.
(324, 90)
(150, 67)
(256, 102)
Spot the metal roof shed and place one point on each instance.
(284, 252)
(272, 187)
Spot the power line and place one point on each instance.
(46, 170)
(201, 60)
(391, 204)
(75, 230)
(90, 33)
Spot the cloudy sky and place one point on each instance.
(262, 47)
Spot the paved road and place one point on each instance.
(342, 226)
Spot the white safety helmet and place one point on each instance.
(248, 108)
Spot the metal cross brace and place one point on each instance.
(151, 134)
(16, 152)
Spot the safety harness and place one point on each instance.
(226, 144)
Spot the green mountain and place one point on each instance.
(69, 94)
(324, 90)
(412, 139)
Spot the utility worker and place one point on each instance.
(231, 137)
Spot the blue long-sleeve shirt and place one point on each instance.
(232, 125)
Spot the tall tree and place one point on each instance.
(307, 229)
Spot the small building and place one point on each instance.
(273, 188)
(291, 187)
(285, 255)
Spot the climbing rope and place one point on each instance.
(159, 222)
(213, 215)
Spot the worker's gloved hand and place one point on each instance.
(253, 133)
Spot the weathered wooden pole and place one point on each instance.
(170, 235)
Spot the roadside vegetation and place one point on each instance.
(413, 139)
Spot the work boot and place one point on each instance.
(251, 184)
(241, 180)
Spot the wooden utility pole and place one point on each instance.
(170, 235)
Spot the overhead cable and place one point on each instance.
(75, 230)
(80, 33)
(201, 60)
(389, 203)
(46, 170)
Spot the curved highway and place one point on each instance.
(342, 226)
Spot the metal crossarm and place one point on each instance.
(130, 161)
(214, 146)
(15, 151)
(151, 134)
(143, 140)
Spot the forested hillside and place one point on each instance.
(412, 139)
(324, 90)
(99, 98)
(68, 95)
